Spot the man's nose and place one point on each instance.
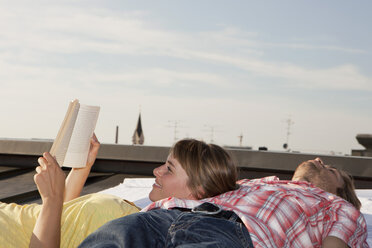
(319, 160)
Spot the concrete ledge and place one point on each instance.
(24, 147)
(357, 166)
(107, 151)
(265, 160)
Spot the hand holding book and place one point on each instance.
(93, 151)
(72, 144)
(77, 177)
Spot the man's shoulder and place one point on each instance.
(286, 187)
(274, 180)
(258, 180)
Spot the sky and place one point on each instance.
(211, 70)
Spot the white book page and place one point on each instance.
(62, 141)
(78, 149)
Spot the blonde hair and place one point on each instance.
(210, 168)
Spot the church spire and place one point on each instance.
(138, 137)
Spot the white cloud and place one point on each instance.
(304, 46)
(66, 29)
(35, 90)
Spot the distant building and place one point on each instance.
(138, 137)
(366, 141)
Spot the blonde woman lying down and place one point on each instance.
(80, 216)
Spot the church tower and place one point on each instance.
(138, 137)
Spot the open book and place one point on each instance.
(71, 146)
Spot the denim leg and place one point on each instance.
(147, 229)
(169, 228)
(197, 231)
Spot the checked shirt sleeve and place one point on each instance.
(345, 222)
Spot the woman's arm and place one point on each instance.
(76, 178)
(50, 181)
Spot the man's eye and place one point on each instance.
(332, 170)
(169, 169)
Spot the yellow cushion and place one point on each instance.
(80, 217)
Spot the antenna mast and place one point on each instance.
(212, 130)
(175, 125)
(289, 124)
(240, 139)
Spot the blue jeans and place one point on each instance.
(170, 228)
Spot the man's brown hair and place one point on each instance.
(348, 190)
(210, 168)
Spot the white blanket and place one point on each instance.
(137, 190)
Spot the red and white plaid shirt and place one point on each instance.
(286, 213)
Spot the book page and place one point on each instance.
(60, 144)
(78, 149)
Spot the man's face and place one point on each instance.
(320, 175)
